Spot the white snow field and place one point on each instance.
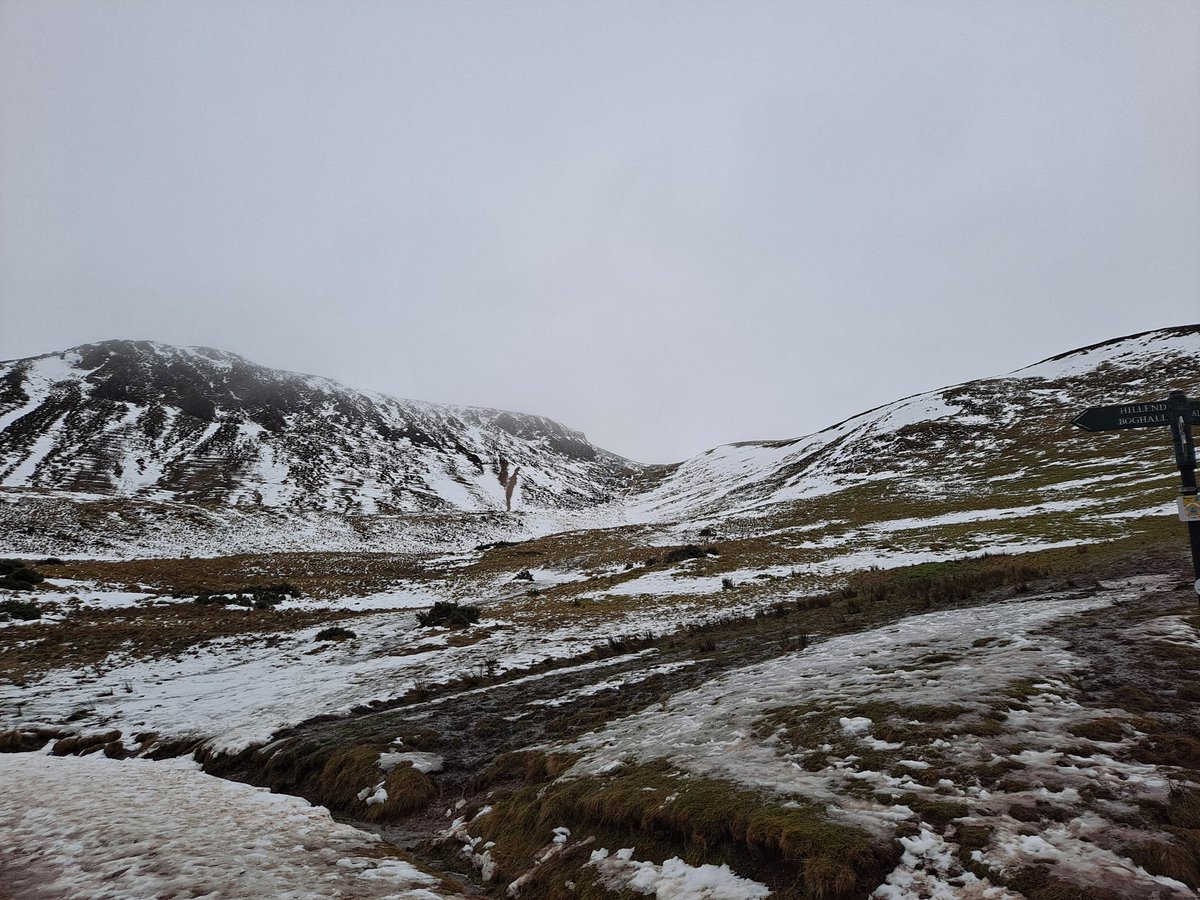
(92, 828)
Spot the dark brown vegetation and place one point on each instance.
(17, 576)
(313, 574)
(87, 636)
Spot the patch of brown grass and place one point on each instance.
(82, 744)
(794, 849)
(1170, 858)
(24, 741)
(87, 636)
(349, 771)
(324, 575)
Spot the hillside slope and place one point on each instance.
(994, 443)
(143, 420)
(140, 449)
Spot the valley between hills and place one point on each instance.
(263, 630)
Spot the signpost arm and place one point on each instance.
(1185, 458)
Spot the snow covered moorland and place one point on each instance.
(945, 648)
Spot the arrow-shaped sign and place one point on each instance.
(1129, 415)
(1180, 413)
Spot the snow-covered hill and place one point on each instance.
(142, 449)
(996, 439)
(136, 419)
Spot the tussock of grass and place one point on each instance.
(16, 576)
(23, 741)
(1183, 806)
(334, 633)
(794, 849)
(523, 767)
(938, 813)
(1102, 729)
(1174, 860)
(81, 744)
(347, 772)
(449, 614)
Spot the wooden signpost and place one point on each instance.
(1178, 412)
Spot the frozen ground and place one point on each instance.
(837, 722)
(93, 828)
(234, 692)
(239, 691)
(961, 659)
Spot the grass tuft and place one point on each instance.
(348, 772)
(663, 813)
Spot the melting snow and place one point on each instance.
(99, 828)
(674, 879)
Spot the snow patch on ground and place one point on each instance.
(422, 762)
(101, 828)
(674, 879)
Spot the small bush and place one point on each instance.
(51, 561)
(22, 610)
(16, 576)
(523, 575)
(688, 551)
(727, 584)
(334, 633)
(258, 596)
(449, 614)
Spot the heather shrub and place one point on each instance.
(334, 633)
(23, 610)
(16, 576)
(449, 614)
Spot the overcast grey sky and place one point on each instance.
(670, 225)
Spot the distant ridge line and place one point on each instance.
(1171, 329)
